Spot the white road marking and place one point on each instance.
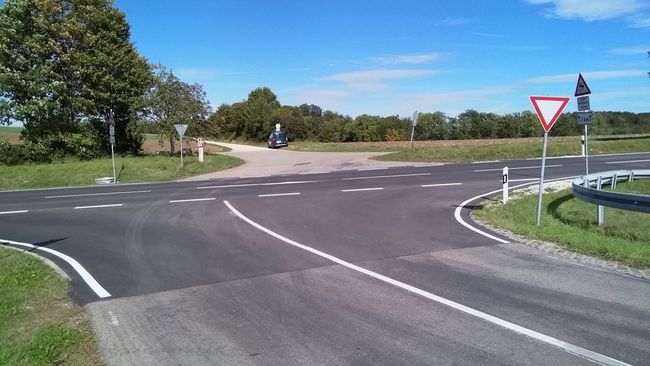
(257, 184)
(427, 165)
(90, 280)
(97, 194)
(570, 348)
(440, 185)
(387, 176)
(13, 212)
(486, 162)
(321, 172)
(628, 161)
(522, 180)
(517, 168)
(362, 189)
(255, 176)
(193, 200)
(98, 206)
(370, 169)
(279, 194)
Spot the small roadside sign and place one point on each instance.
(584, 118)
(548, 109)
(581, 87)
(583, 103)
(414, 120)
(111, 130)
(181, 128)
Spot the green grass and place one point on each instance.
(128, 170)
(39, 324)
(572, 223)
(11, 129)
(516, 150)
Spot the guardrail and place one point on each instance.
(589, 188)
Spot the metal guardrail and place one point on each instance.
(591, 191)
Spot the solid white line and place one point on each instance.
(89, 279)
(97, 194)
(628, 161)
(255, 176)
(193, 200)
(517, 168)
(98, 206)
(387, 176)
(279, 194)
(257, 184)
(321, 172)
(362, 189)
(573, 349)
(370, 169)
(13, 212)
(486, 162)
(440, 185)
(522, 180)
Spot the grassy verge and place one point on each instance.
(481, 150)
(572, 223)
(39, 324)
(128, 169)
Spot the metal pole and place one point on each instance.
(113, 158)
(586, 153)
(541, 181)
(181, 152)
(412, 133)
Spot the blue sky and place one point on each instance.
(393, 57)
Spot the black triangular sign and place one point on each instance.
(581, 87)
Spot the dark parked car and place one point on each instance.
(278, 139)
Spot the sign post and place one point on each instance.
(111, 139)
(548, 110)
(181, 128)
(414, 122)
(584, 115)
(505, 185)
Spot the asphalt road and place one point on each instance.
(346, 267)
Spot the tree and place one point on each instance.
(171, 101)
(260, 104)
(64, 63)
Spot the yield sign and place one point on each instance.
(549, 109)
(582, 88)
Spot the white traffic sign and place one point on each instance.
(277, 127)
(548, 109)
(414, 121)
(111, 130)
(181, 128)
(581, 87)
(584, 118)
(583, 103)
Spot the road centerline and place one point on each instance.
(257, 184)
(279, 194)
(362, 189)
(627, 161)
(97, 194)
(387, 176)
(13, 212)
(517, 168)
(193, 200)
(440, 185)
(568, 347)
(98, 206)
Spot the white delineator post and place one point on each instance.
(505, 185)
(199, 142)
(582, 139)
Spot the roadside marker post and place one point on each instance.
(505, 185)
(111, 139)
(548, 110)
(181, 128)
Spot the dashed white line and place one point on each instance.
(362, 189)
(440, 185)
(568, 347)
(97, 194)
(193, 200)
(87, 277)
(387, 176)
(370, 169)
(98, 206)
(279, 194)
(517, 168)
(257, 184)
(317, 172)
(13, 212)
(523, 180)
(628, 161)
(486, 162)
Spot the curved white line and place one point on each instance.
(87, 277)
(481, 232)
(568, 347)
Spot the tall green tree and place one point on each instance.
(171, 101)
(261, 104)
(64, 63)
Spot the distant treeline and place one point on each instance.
(255, 117)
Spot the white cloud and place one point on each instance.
(421, 58)
(590, 10)
(638, 50)
(373, 80)
(592, 75)
(456, 21)
(639, 21)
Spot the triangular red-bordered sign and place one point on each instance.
(582, 88)
(549, 109)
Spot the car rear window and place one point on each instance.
(279, 135)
